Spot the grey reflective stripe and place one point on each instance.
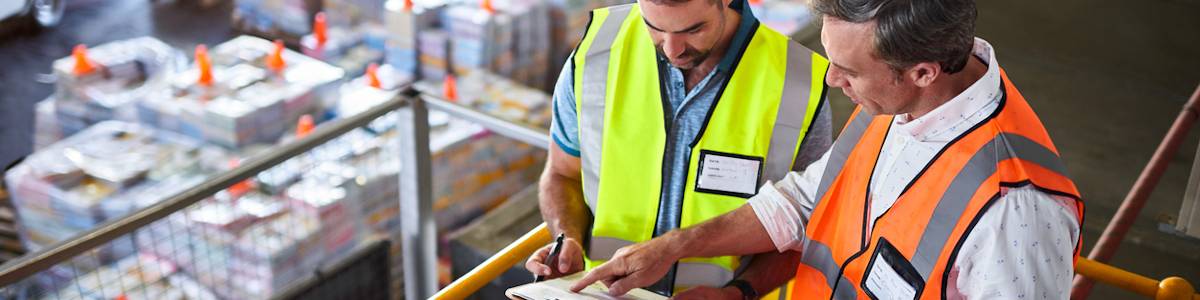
(818, 256)
(841, 150)
(591, 117)
(793, 108)
(603, 248)
(966, 183)
(690, 274)
(783, 291)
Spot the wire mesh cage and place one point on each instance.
(250, 226)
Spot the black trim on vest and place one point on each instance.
(816, 115)
(721, 92)
(586, 28)
(1003, 101)
(958, 245)
(983, 210)
(666, 285)
(669, 279)
(865, 243)
(662, 93)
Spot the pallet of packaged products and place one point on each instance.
(246, 246)
(104, 82)
(281, 19)
(136, 277)
(103, 173)
(254, 90)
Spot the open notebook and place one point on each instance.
(559, 289)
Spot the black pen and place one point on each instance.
(551, 259)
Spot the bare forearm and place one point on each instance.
(771, 269)
(562, 205)
(734, 233)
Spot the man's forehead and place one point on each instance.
(674, 17)
(844, 38)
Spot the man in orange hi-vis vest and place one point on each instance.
(943, 185)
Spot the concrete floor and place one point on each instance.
(1106, 77)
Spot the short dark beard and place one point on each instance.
(701, 56)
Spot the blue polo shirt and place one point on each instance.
(689, 109)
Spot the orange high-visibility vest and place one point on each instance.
(936, 211)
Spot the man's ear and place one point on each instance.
(924, 74)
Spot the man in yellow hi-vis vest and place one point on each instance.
(943, 184)
(668, 113)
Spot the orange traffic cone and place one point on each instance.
(304, 126)
(205, 65)
(487, 6)
(240, 188)
(83, 64)
(450, 88)
(373, 76)
(319, 29)
(275, 61)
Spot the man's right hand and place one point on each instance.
(569, 261)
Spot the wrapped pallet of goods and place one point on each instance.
(246, 93)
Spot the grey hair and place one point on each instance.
(909, 32)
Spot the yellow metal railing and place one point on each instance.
(496, 265)
(1171, 288)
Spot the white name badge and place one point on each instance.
(890, 276)
(728, 174)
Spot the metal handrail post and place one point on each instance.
(1115, 232)
(536, 137)
(418, 231)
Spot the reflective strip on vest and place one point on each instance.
(591, 96)
(954, 201)
(603, 248)
(797, 96)
(842, 147)
(688, 274)
(818, 256)
(616, 68)
(952, 205)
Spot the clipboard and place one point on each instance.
(560, 289)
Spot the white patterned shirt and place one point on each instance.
(1021, 248)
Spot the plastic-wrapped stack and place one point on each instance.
(135, 277)
(433, 55)
(787, 17)
(256, 90)
(242, 246)
(325, 195)
(572, 17)
(482, 39)
(351, 13)
(404, 21)
(531, 25)
(104, 82)
(286, 19)
(46, 128)
(100, 174)
(349, 35)
(504, 98)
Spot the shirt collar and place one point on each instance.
(949, 120)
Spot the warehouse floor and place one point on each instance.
(1107, 78)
